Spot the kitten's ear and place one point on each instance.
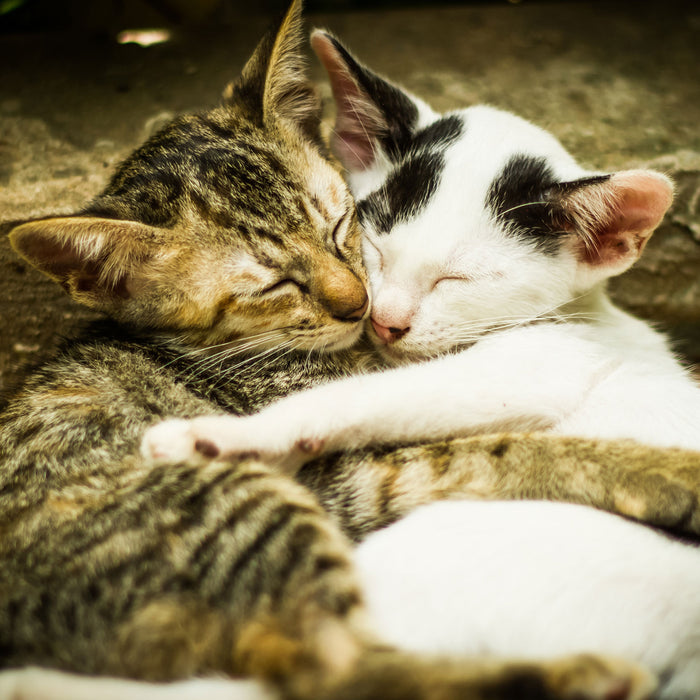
(613, 217)
(274, 83)
(371, 113)
(99, 262)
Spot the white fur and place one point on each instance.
(611, 378)
(536, 580)
(42, 684)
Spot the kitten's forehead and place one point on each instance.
(466, 167)
(496, 150)
(217, 171)
(492, 138)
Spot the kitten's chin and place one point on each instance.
(344, 341)
(401, 353)
(396, 355)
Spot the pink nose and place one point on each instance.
(388, 334)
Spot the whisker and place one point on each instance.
(226, 372)
(243, 343)
(207, 362)
(292, 348)
(519, 206)
(471, 331)
(270, 355)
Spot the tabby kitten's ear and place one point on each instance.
(612, 218)
(273, 84)
(372, 115)
(99, 262)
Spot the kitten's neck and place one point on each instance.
(592, 306)
(598, 318)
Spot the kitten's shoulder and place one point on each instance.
(104, 372)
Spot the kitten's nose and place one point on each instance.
(342, 292)
(388, 334)
(348, 314)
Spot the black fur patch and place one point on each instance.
(414, 180)
(519, 199)
(438, 135)
(526, 199)
(406, 191)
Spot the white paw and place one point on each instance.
(197, 440)
(170, 441)
(226, 437)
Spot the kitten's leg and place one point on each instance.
(368, 489)
(477, 391)
(583, 677)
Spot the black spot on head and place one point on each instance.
(519, 199)
(438, 135)
(526, 199)
(562, 188)
(404, 194)
(415, 178)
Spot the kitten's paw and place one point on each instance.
(588, 677)
(172, 441)
(224, 437)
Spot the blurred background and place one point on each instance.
(30, 15)
(83, 82)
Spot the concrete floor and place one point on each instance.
(618, 82)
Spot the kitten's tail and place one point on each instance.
(386, 674)
(392, 675)
(340, 661)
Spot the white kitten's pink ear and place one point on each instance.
(614, 218)
(371, 113)
(99, 262)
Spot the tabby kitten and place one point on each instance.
(228, 235)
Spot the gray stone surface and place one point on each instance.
(618, 83)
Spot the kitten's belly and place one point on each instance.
(533, 579)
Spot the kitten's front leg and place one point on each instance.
(479, 390)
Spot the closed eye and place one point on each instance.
(340, 231)
(477, 276)
(453, 278)
(284, 285)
